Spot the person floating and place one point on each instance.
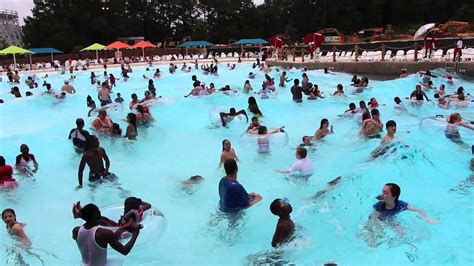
(227, 117)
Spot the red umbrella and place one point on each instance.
(276, 41)
(143, 45)
(313, 40)
(118, 45)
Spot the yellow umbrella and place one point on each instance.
(94, 47)
(15, 50)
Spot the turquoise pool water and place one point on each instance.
(432, 171)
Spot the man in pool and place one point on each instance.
(227, 117)
(93, 240)
(285, 226)
(78, 135)
(233, 196)
(93, 157)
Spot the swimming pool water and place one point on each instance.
(432, 172)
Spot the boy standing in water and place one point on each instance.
(285, 226)
(391, 129)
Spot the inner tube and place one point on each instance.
(110, 108)
(438, 124)
(154, 223)
(276, 141)
(149, 103)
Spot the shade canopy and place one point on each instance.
(313, 40)
(144, 44)
(15, 50)
(251, 41)
(276, 41)
(195, 43)
(94, 47)
(47, 50)
(118, 45)
(423, 29)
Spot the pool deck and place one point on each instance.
(386, 68)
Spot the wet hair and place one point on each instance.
(352, 106)
(397, 100)
(394, 190)
(230, 167)
(140, 109)
(262, 130)
(460, 90)
(365, 116)
(102, 111)
(296, 82)
(339, 86)
(461, 97)
(79, 122)
(323, 121)
(375, 112)
(302, 152)
(133, 120)
(362, 103)
(390, 123)
(441, 86)
(453, 117)
(8, 210)
(223, 142)
(2, 161)
(28, 93)
(430, 82)
(275, 207)
(131, 203)
(418, 86)
(436, 96)
(193, 77)
(90, 213)
(254, 118)
(134, 95)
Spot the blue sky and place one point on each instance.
(24, 6)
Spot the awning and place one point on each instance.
(195, 43)
(251, 41)
(47, 50)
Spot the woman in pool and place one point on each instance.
(227, 153)
(134, 101)
(131, 132)
(324, 129)
(247, 87)
(452, 132)
(315, 93)
(102, 123)
(389, 205)
(141, 115)
(6, 172)
(263, 141)
(253, 107)
(376, 119)
(13, 227)
(24, 161)
(147, 96)
(418, 95)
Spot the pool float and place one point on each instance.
(153, 221)
(110, 108)
(10, 183)
(439, 123)
(214, 117)
(277, 140)
(149, 103)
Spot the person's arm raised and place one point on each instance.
(113, 240)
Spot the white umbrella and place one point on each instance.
(423, 29)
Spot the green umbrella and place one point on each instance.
(94, 47)
(15, 50)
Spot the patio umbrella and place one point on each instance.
(313, 40)
(117, 45)
(423, 29)
(94, 47)
(143, 45)
(15, 50)
(276, 41)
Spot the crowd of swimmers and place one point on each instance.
(232, 195)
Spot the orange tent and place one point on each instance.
(118, 45)
(143, 45)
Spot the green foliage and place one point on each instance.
(65, 24)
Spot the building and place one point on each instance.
(10, 30)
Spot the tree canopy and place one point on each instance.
(66, 24)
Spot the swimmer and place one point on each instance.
(102, 123)
(373, 103)
(303, 165)
(452, 132)
(78, 135)
(391, 127)
(93, 241)
(151, 87)
(227, 153)
(94, 156)
(314, 92)
(403, 73)
(119, 98)
(283, 79)
(418, 94)
(254, 125)
(306, 142)
(25, 159)
(328, 188)
(398, 104)
(226, 89)
(297, 91)
(339, 90)
(263, 142)
(251, 75)
(68, 88)
(442, 101)
(60, 96)
(232, 195)
(157, 74)
(6, 173)
(323, 130)
(14, 227)
(131, 133)
(441, 91)
(247, 87)
(350, 112)
(147, 96)
(143, 115)
(389, 205)
(134, 101)
(369, 127)
(195, 179)
(362, 107)
(285, 226)
(227, 117)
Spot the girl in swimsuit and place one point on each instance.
(13, 227)
(131, 132)
(253, 107)
(24, 160)
(227, 152)
(263, 141)
(323, 129)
